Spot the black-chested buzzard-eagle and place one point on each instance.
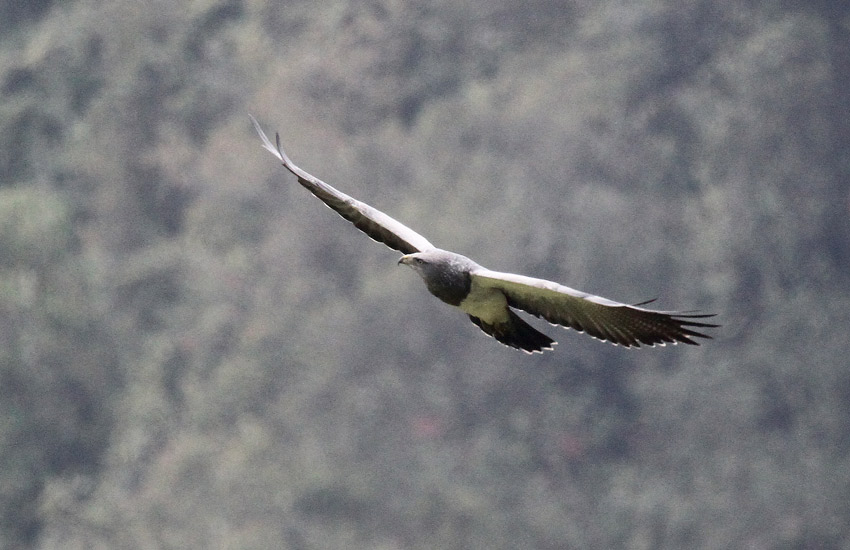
(489, 297)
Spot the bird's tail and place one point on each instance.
(516, 333)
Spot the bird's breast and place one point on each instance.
(451, 287)
(487, 304)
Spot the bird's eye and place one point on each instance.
(418, 260)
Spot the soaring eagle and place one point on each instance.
(489, 298)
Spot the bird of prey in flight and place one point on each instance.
(489, 298)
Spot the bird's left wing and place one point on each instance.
(599, 317)
(373, 222)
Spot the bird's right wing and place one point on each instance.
(599, 317)
(377, 225)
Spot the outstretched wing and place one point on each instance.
(599, 317)
(371, 221)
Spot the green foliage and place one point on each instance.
(35, 227)
(198, 354)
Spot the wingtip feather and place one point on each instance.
(267, 144)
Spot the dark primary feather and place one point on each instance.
(377, 225)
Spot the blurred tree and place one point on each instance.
(57, 365)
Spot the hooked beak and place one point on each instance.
(404, 260)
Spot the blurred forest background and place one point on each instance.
(195, 353)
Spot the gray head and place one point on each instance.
(446, 274)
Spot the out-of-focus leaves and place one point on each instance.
(35, 227)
